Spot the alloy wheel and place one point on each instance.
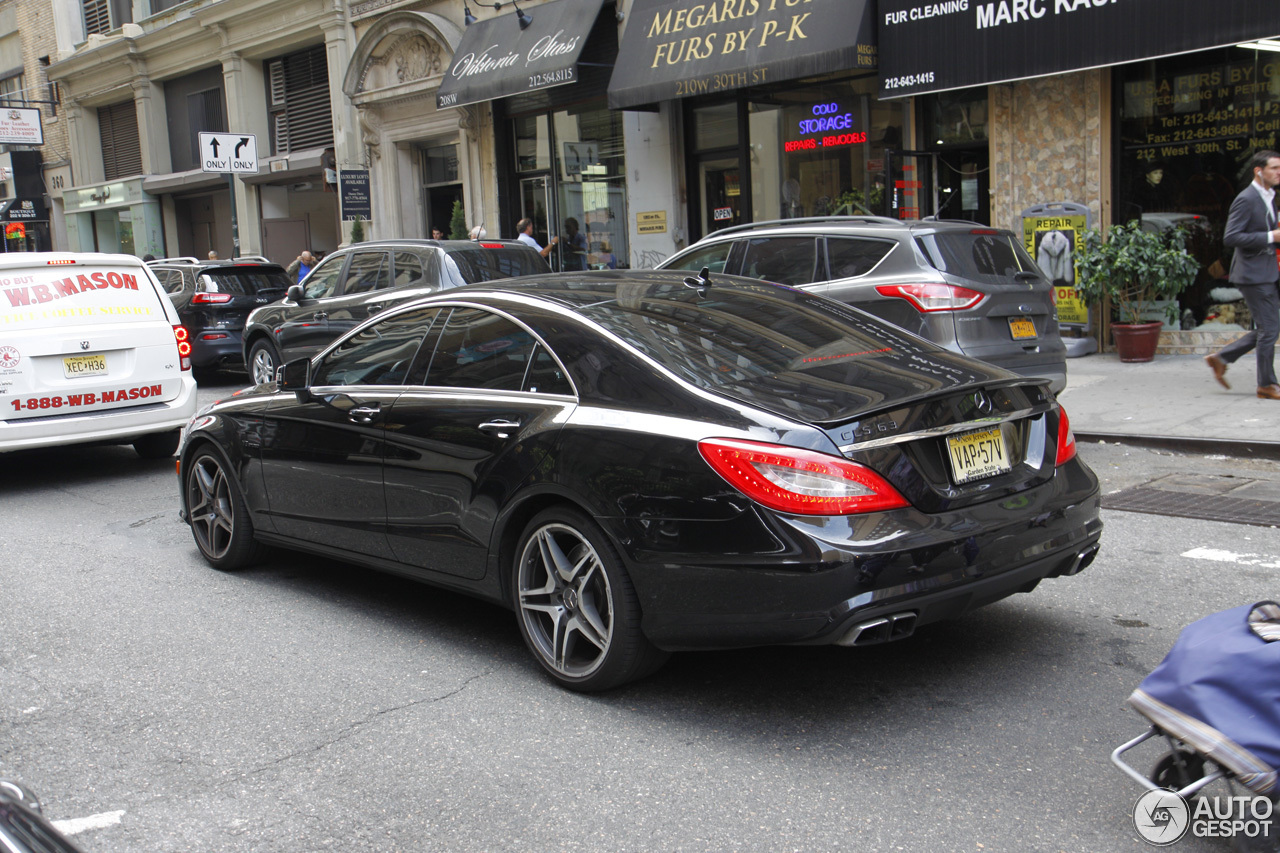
(566, 601)
(211, 506)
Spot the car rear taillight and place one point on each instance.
(184, 346)
(797, 481)
(928, 298)
(1066, 438)
(210, 298)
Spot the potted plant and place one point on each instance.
(1133, 269)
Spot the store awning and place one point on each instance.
(498, 57)
(958, 45)
(680, 48)
(23, 210)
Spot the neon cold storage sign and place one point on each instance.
(829, 120)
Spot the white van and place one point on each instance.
(91, 350)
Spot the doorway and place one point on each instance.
(720, 192)
(912, 191)
(536, 204)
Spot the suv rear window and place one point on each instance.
(66, 296)
(244, 281)
(991, 257)
(481, 264)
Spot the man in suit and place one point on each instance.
(1253, 232)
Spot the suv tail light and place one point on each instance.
(210, 298)
(798, 481)
(1066, 438)
(933, 297)
(184, 346)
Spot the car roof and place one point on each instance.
(238, 263)
(16, 260)
(859, 224)
(428, 244)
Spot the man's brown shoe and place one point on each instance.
(1269, 392)
(1219, 368)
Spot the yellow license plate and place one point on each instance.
(978, 454)
(84, 365)
(1021, 328)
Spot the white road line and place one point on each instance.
(1219, 556)
(93, 821)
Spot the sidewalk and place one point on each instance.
(1172, 401)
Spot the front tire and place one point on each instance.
(158, 445)
(217, 513)
(576, 606)
(264, 361)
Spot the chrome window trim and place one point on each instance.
(934, 432)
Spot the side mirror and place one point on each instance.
(295, 293)
(296, 377)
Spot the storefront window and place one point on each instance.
(1188, 126)
(572, 174)
(820, 150)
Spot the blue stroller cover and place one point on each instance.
(1218, 691)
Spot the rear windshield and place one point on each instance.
(981, 255)
(66, 296)
(481, 264)
(243, 281)
(776, 347)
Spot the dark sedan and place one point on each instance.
(639, 462)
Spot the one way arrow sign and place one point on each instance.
(229, 152)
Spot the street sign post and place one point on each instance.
(232, 153)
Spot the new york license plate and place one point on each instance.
(1021, 328)
(84, 365)
(978, 454)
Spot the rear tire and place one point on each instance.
(575, 604)
(217, 513)
(264, 361)
(158, 445)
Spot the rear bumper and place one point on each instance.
(225, 351)
(110, 426)
(828, 575)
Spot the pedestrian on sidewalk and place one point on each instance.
(1253, 232)
(524, 233)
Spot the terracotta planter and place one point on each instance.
(1138, 341)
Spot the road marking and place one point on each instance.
(1220, 556)
(93, 821)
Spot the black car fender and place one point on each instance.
(238, 442)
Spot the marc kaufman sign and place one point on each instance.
(680, 48)
(933, 47)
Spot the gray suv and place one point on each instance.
(966, 287)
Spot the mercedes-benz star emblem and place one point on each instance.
(983, 403)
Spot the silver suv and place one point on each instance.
(966, 287)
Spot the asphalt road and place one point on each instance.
(306, 705)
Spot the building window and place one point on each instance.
(298, 101)
(103, 16)
(121, 148)
(13, 91)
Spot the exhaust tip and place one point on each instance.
(1081, 561)
(882, 630)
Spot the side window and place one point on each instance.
(367, 271)
(545, 375)
(408, 269)
(853, 256)
(478, 349)
(785, 260)
(171, 279)
(323, 280)
(379, 355)
(713, 257)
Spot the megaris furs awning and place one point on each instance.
(680, 48)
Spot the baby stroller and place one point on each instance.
(1214, 701)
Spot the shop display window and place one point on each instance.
(1187, 126)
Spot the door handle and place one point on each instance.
(501, 427)
(365, 414)
(320, 315)
(375, 307)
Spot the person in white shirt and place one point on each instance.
(524, 229)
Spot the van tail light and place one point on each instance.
(928, 298)
(798, 481)
(1066, 438)
(183, 339)
(492, 245)
(210, 298)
